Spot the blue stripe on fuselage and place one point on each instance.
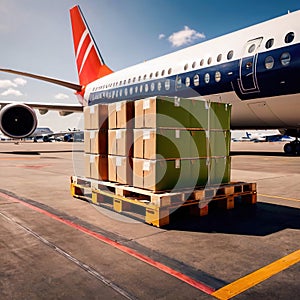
(280, 80)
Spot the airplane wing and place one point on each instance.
(43, 108)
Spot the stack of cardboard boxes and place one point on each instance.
(96, 141)
(180, 143)
(158, 143)
(120, 141)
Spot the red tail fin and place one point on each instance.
(90, 65)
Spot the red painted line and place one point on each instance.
(196, 284)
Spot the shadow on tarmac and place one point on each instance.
(260, 219)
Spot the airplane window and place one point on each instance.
(170, 71)
(120, 83)
(251, 48)
(194, 65)
(178, 82)
(152, 87)
(230, 55)
(202, 62)
(285, 58)
(129, 80)
(206, 78)
(145, 76)
(151, 74)
(139, 78)
(167, 84)
(146, 87)
(209, 61)
(187, 81)
(156, 74)
(269, 43)
(186, 67)
(269, 62)
(217, 76)
(196, 80)
(133, 79)
(289, 37)
(159, 85)
(219, 57)
(124, 81)
(162, 72)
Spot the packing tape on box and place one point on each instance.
(92, 109)
(118, 106)
(146, 166)
(118, 161)
(176, 101)
(118, 134)
(146, 104)
(146, 134)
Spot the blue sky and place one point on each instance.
(36, 36)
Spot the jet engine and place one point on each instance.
(17, 120)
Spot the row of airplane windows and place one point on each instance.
(289, 37)
(285, 60)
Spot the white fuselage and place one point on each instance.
(256, 69)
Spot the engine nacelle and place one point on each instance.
(17, 120)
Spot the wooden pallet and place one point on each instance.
(155, 208)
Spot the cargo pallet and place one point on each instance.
(155, 208)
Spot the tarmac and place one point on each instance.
(53, 246)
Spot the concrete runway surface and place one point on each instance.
(55, 247)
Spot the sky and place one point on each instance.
(36, 38)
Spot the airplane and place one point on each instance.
(256, 69)
(269, 136)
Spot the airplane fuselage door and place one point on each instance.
(247, 75)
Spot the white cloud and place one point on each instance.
(12, 92)
(161, 36)
(185, 37)
(61, 96)
(20, 81)
(4, 84)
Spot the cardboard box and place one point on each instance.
(219, 143)
(120, 142)
(96, 166)
(98, 116)
(165, 175)
(168, 143)
(87, 118)
(220, 170)
(87, 141)
(99, 141)
(120, 169)
(181, 113)
(121, 115)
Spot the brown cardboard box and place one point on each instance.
(99, 167)
(87, 118)
(87, 166)
(120, 169)
(99, 116)
(99, 141)
(121, 115)
(87, 141)
(120, 142)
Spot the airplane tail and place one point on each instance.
(90, 64)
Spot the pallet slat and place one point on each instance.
(155, 208)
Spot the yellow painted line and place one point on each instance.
(245, 283)
(279, 197)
